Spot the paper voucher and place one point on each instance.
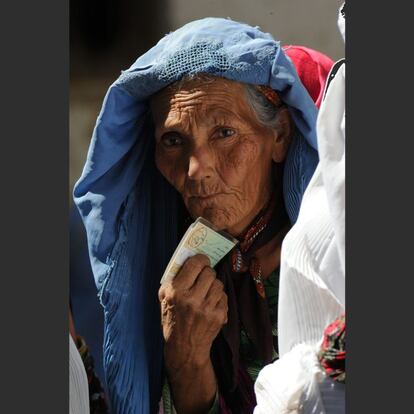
(201, 237)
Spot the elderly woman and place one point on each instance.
(214, 122)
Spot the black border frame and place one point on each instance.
(34, 292)
(34, 193)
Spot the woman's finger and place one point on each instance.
(189, 272)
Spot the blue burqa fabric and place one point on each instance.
(130, 211)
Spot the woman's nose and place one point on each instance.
(200, 164)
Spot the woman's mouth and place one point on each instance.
(204, 197)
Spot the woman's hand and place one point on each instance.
(193, 310)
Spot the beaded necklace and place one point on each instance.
(238, 259)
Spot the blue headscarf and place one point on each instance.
(130, 211)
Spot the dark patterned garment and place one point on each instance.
(332, 353)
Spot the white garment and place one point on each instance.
(312, 277)
(296, 385)
(78, 382)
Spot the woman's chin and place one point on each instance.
(219, 217)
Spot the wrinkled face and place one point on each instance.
(213, 150)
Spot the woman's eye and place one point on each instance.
(171, 140)
(226, 132)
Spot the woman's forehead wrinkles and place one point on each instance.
(217, 112)
(207, 115)
(179, 121)
(220, 101)
(202, 100)
(210, 105)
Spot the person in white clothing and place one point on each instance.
(312, 280)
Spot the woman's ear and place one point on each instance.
(282, 135)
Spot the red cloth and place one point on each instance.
(313, 68)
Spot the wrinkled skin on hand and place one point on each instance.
(193, 309)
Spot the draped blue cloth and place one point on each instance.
(130, 211)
